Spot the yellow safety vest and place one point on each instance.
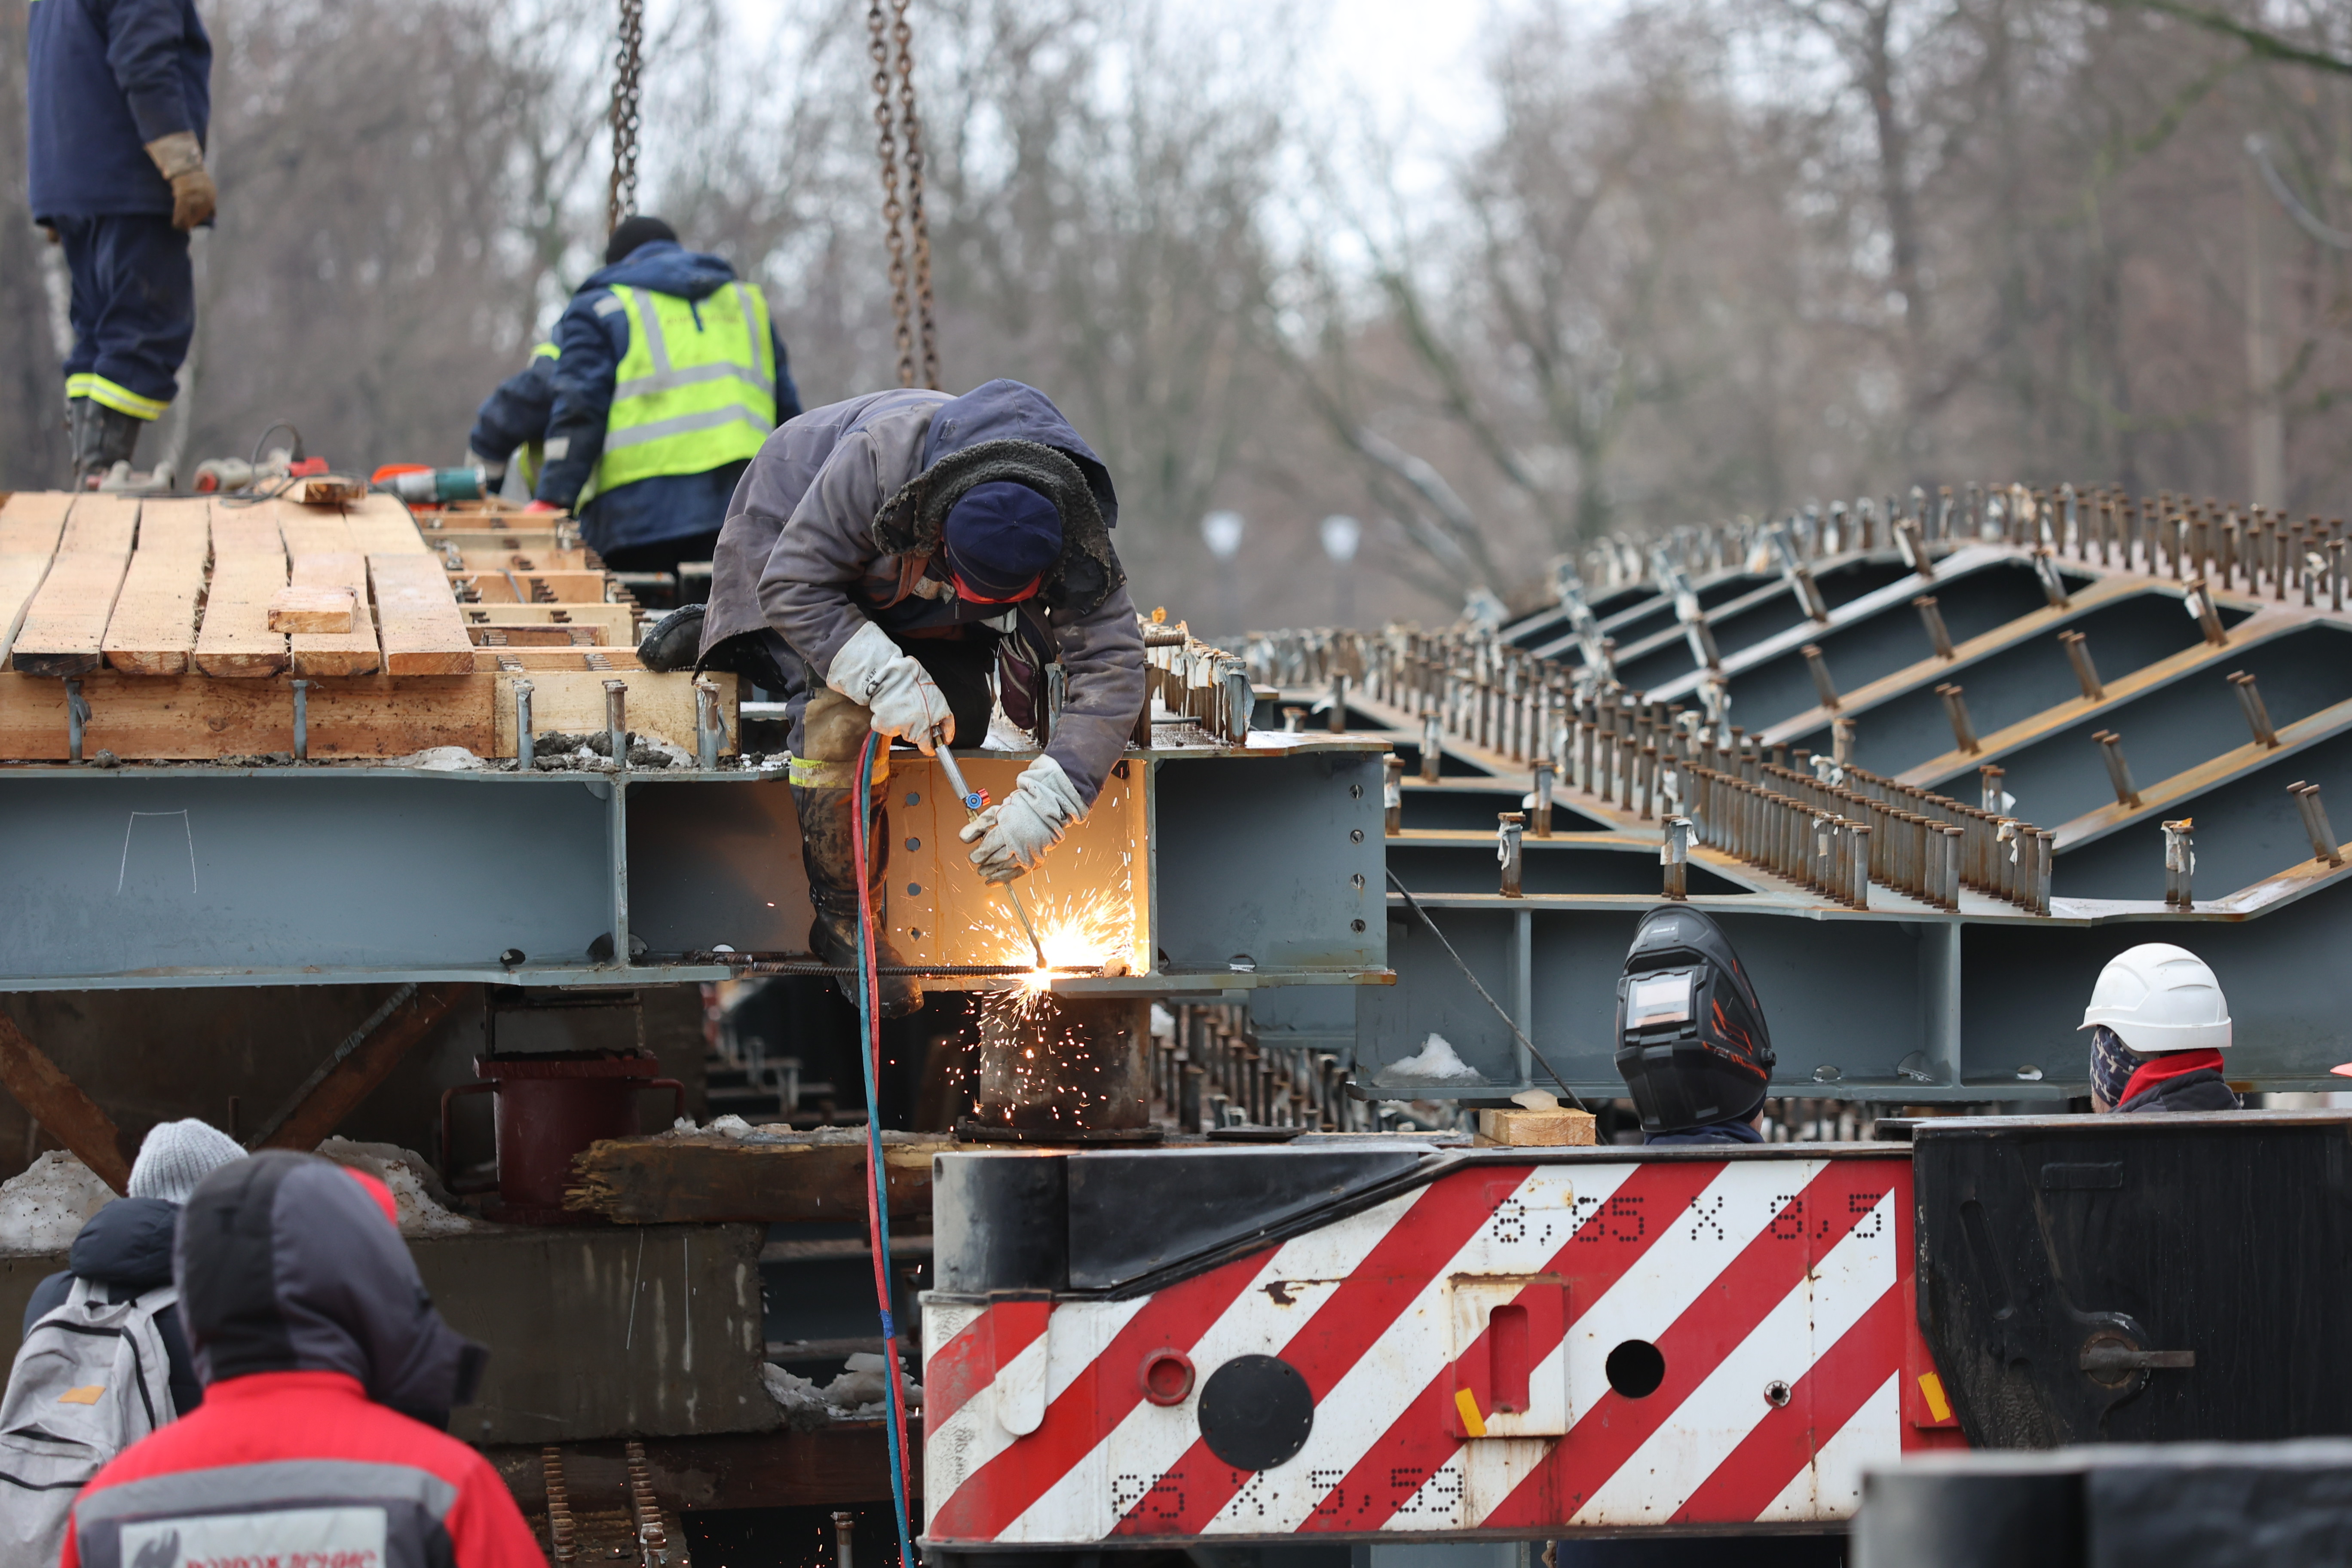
(533, 456)
(696, 388)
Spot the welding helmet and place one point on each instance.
(1691, 1041)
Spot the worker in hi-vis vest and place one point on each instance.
(668, 377)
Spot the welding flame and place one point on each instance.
(1088, 929)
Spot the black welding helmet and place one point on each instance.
(1691, 1041)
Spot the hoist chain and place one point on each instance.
(893, 214)
(621, 199)
(913, 127)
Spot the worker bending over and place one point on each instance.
(668, 374)
(118, 94)
(2158, 1025)
(1691, 1041)
(886, 562)
(326, 1373)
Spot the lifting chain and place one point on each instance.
(911, 309)
(621, 200)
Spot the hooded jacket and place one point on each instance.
(816, 535)
(106, 78)
(312, 1331)
(127, 1246)
(590, 344)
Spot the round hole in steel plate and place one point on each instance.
(1635, 1368)
(1166, 1376)
(914, 889)
(1355, 835)
(1776, 1395)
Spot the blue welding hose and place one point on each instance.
(878, 1195)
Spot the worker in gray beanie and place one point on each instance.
(126, 1246)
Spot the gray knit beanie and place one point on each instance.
(176, 1155)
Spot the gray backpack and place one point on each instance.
(91, 1378)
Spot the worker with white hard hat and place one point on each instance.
(2158, 1025)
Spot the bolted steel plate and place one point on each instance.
(1256, 1411)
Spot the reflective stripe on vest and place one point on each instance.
(695, 389)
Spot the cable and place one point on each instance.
(877, 1197)
(1411, 903)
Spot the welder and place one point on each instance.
(120, 95)
(900, 563)
(1691, 1042)
(668, 374)
(2158, 1025)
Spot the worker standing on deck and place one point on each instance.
(2158, 1025)
(118, 94)
(326, 1370)
(1691, 1041)
(512, 423)
(886, 562)
(669, 375)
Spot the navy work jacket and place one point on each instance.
(106, 78)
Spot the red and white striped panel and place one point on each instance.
(1777, 1292)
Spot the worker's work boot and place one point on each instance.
(107, 436)
(77, 411)
(828, 851)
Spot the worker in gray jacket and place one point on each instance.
(896, 562)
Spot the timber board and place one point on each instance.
(30, 521)
(189, 717)
(64, 632)
(574, 701)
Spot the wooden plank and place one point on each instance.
(522, 587)
(325, 490)
(615, 661)
(153, 629)
(572, 700)
(183, 524)
(538, 636)
(326, 554)
(298, 608)
(381, 526)
(504, 515)
(247, 530)
(313, 531)
(59, 1104)
(31, 520)
(192, 717)
(619, 621)
(502, 558)
(696, 1181)
(65, 627)
(20, 578)
(236, 641)
(101, 525)
(418, 618)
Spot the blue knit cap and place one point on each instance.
(1003, 537)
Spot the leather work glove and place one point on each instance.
(1015, 833)
(181, 159)
(905, 701)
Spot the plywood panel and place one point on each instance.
(416, 618)
(31, 521)
(101, 525)
(65, 627)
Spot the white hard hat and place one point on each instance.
(2159, 998)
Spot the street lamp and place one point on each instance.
(1221, 532)
(1341, 535)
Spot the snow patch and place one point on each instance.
(44, 1208)
(1435, 1062)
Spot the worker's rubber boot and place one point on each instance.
(107, 436)
(828, 851)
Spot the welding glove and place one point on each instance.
(1015, 833)
(180, 157)
(872, 672)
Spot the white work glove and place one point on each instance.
(1015, 833)
(871, 671)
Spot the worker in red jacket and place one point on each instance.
(323, 1360)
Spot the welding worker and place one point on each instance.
(669, 375)
(511, 423)
(886, 562)
(1691, 1041)
(118, 94)
(327, 1373)
(2158, 1025)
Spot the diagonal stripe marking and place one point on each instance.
(958, 1369)
(1392, 1470)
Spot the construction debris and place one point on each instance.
(762, 1173)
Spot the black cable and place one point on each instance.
(1511, 1023)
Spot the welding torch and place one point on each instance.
(973, 802)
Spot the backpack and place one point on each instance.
(91, 1378)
